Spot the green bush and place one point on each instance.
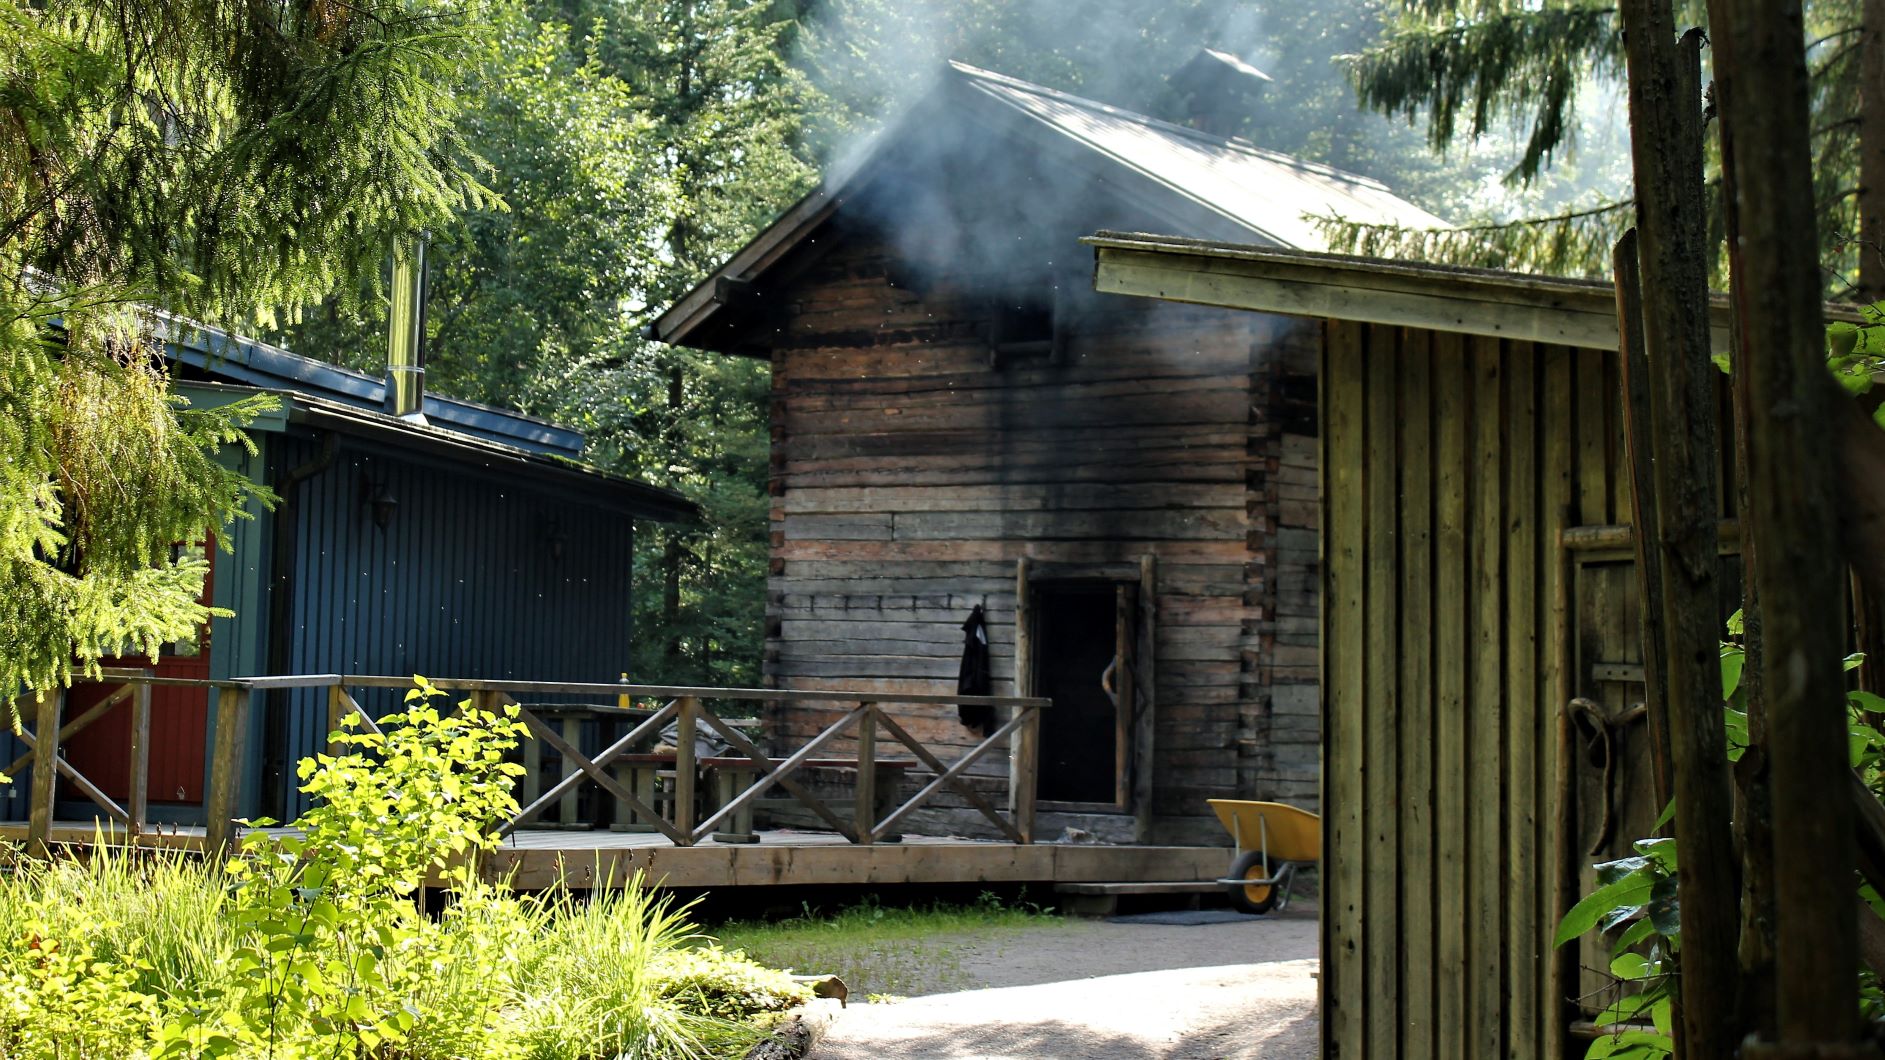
(311, 944)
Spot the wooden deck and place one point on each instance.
(537, 858)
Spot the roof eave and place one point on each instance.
(597, 487)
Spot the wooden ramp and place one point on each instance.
(539, 858)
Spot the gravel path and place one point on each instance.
(1119, 991)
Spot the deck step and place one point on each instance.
(1173, 887)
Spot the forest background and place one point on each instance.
(634, 144)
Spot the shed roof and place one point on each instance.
(1223, 186)
(549, 471)
(251, 362)
(1471, 301)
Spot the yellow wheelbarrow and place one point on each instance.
(1272, 839)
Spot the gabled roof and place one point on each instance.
(1219, 187)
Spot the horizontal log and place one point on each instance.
(1006, 497)
(1113, 551)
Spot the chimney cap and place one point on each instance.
(1218, 91)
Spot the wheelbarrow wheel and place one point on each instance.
(1258, 898)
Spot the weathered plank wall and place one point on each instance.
(909, 476)
(1451, 464)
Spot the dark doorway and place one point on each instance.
(1076, 638)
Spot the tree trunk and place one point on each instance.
(1763, 93)
(1871, 200)
(1666, 137)
(1753, 819)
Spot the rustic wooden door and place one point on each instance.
(179, 720)
(1084, 638)
(1612, 785)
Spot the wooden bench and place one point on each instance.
(725, 778)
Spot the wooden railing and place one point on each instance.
(686, 707)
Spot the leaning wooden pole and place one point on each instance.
(1762, 89)
(1684, 444)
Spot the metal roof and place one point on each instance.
(238, 359)
(549, 471)
(1272, 195)
(1229, 188)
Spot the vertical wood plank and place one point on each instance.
(1452, 389)
(45, 770)
(137, 804)
(1485, 709)
(1146, 689)
(686, 768)
(1557, 809)
(1343, 986)
(1593, 440)
(1382, 722)
(1416, 620)
(864, 807)
(1028, 755)
(225, 776)
(1526, 716)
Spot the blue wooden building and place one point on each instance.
(461, 541)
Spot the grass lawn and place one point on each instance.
(878, 950)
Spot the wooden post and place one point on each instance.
(225, 776)
(137, 806)
(572, 727)
(336, 709)
(686, 769)
(1762, 90)
(45, 770)
(864, 808)
(1023, 672)
(1028, 757)
(1146, 707)
(1666, 138)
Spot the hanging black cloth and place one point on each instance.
(974, 678)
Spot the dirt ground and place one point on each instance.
(1121, 991)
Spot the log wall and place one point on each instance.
(909, 475)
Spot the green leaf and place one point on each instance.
(1732, 660)
(1626, 891)
(1631, 966)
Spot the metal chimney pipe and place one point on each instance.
(405, 331)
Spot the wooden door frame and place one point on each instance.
(1135, 615)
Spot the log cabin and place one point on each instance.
(1125, 489)
(440, 537)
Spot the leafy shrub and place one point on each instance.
(310, 944)
(727, 984)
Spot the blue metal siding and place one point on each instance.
(463, 581)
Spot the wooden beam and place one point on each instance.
(949, 776)
(582, 765)
(779, 773)
(45, 769)
(137, 812)
(226, 762)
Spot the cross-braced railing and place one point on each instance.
(742, 776)
(686, 707)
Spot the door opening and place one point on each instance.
(1082, 658)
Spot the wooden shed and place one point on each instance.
(468, 541)
(1126, 490)
(1477, 576)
